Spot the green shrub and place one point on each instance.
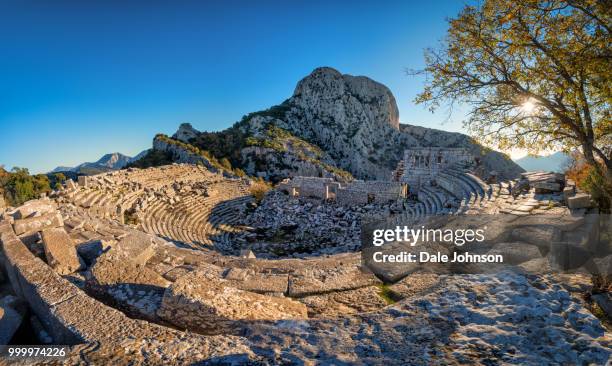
(19, 186)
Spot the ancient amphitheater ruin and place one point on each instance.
(178, 265)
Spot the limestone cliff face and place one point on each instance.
(335, 120)
(355, 120)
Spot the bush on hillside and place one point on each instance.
(19, 186)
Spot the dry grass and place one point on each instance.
(259, 188)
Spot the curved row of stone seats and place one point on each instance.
(455, 187)
(433, 198)
(301, 277)
(469, 180)
(487, 189)
(97, 332)
(468, 188)
(198, 219)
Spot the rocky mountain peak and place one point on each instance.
(342, 122)
(185, 132)
(329, 91)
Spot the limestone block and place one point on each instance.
(34, 224)
(35, 208)
(178, 272)
(71, 185)
(202, 302)
(517, 252)
(538, 265)
(84, 181)
(60, 251)
(310, 281)
(136, 246)
(568, 192)
(580, 200)
(540, 236)
(132, 287)
(92, 249)
(73, 224)
(10, 320)
(565, 256)
(604, 265)
(263, 283)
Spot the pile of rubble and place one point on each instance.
(281, 226)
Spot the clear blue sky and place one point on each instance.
(82, 78)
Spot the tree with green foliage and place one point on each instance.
(536, 74)
(59, 177)
(19, 186)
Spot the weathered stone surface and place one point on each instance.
(72, 317)
(604, 265)
(543, 187)
(258, 282)
(84, 181)
(516, 252)
(33, 224)
(91, 250)
(60, 251)
(310, 281)
(73, 224)
(537, 265)
(136, 246)
(580, 200)
(513, 319)
(202, 302)
(177, 272)
(9, 323)
(70, 184)
(568, 192)
(35, 208)
(345, 303)
(541, 235)
(416, 284)
(132, 287)
(564, 256)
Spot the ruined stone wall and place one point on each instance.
(307, 187)
(354, 193)
(350, 197)
(423, 164)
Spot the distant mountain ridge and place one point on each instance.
(108, 162)
(555, 162)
